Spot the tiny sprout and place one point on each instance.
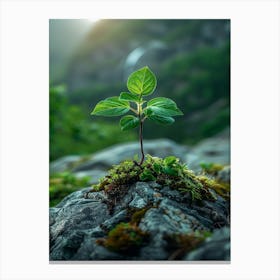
(140, 83)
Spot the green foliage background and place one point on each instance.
(72, 132)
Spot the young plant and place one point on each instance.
(140, 84)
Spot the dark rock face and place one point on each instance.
(77, 223)
(215, 248)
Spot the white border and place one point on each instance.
(255, 138)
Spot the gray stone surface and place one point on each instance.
(63, 164)
(94, 175)
(224, 175)
(115, 154)
(70, 219)
(76, 223)
(211, 150)
(215, 149)
(215, 248)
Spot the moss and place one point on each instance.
(166, 172)
(213, 183)
(137, 215)
(223, 189)
(180, 244)
(211, 168)
(125, 238)
(125, 173)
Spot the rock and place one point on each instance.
(78, 225)
(89, 250)
(224, 175)
(138, 202)
(217, 247)
(114, 155)
(63, 164)
(94, 175)
(116, 219)
(211, 150)
(72, 216)
(215, 149)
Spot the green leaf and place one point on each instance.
(128, 122)
(170, 171)
(161, 119)
(147, 175)
(142, 81)
(157, 167)
(129, 96)
(170, 160)
(111, 107)
(162, 106)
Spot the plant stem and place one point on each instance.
(141, 142)
(139, 109)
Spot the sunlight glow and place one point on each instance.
(93, 20)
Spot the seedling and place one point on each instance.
(140, 84)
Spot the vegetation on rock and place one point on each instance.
(166, 172)
(125, 238)
(221, 188)
(128, 238)
(198, 78)
(194, 68)
(213, 169)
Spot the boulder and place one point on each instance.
(94, 175)
(215, 149)
(81, 222)
(211, 150)
(117, 153)
(215, 248)
(224, 175)
(64, 163)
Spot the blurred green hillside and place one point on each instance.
(191, 59)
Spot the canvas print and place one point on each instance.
(139, 140)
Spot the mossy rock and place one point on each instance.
(166, 172)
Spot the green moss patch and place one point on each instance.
(125, 238)
(211, 168)
(221, 188)
(166, 172)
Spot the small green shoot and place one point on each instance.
(140, 83)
